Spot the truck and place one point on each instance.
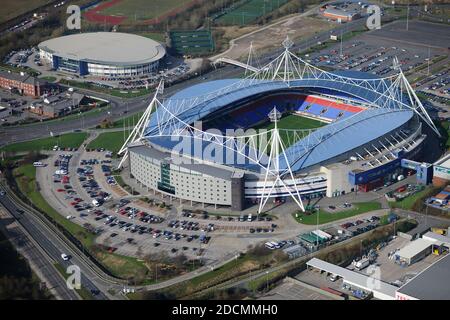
(361, 264)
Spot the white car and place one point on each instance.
(65, 257)
(70, 217)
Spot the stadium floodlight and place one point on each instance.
(273, 168)
(176, 117)
(138, 131)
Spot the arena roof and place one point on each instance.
(112, 48)
(197, 102)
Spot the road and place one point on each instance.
(50, 243)
(50, 240)
(40, 262)
(92, 278)
(123, 107)
(429, 221)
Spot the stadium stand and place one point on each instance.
(326, 109)
(254, 112)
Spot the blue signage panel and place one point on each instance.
(372, 174)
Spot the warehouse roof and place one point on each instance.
(437, 238)
(414, 248)
(353, 278)
(105, 48)
(432, 283)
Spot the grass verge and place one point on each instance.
(68, 140)
(325, 217)
(111, 141)
(408, 203)
(84, 293)
(119, 266)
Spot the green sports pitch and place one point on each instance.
(247, 11)
(144, 9)
(292, 122)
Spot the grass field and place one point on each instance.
(325, 217)
(12, 9)
(143, 9)
(128, 121)
(445, 131)
(68, 140)
(408, 202)
(48, 78)
(291, 121)
(248, 10)
(111, 141)
(157, 36)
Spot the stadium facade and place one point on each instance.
(371, 125)
(104, 54)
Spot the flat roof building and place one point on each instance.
(433, 283)
(340, 15)
(103, 54)
(381, 290)
(415, 251)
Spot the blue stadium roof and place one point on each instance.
(344, 136)
(197, 102)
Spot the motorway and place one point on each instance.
(54, 244)
(48, 237)
(49, 241)
(40, 262)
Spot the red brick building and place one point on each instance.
(24, 83)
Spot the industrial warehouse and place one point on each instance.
(105, 54)
(420, 269)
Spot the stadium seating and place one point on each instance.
(253, 113)
(326, 109)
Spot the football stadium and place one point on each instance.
(289, 131)
(105, 54)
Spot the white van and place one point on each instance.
(39, 164)
(269, 245)
(334, 277)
